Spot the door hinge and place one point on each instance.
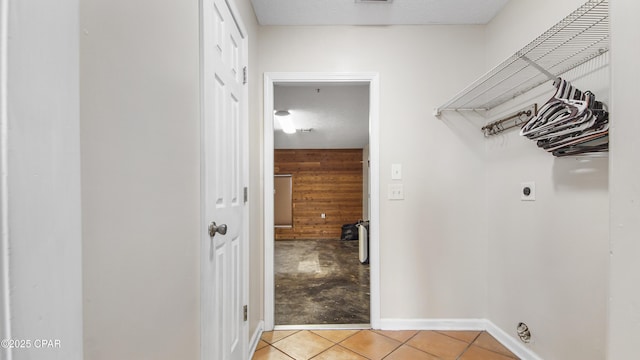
(246, 194)
(245, 312)
(244, 75)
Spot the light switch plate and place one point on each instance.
(396, 192)
(396, 171)
(528, 191)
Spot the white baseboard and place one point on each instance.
(510, 342)
(255, 339)
(432, 324)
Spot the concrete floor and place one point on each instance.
(320, 282)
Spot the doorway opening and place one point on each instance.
(318, 231)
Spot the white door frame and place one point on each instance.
(270, 79)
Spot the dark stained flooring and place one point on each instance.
(320, 282)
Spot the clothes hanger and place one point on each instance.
(577, 117)
(601, 126)
(582, 150)
(578, 123)
(559, 84)
(598, 123)
(582, 138)
(552, 109)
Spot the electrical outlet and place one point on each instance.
(323, 216)
(528, 191)
(396, 192)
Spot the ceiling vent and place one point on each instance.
(374, 1)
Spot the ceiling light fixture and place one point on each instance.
(285, 122)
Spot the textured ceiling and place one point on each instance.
(338, 116)
(397, 12)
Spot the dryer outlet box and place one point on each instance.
(528, 191)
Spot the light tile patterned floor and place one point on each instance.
(377, 345)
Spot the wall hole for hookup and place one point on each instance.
(523, 332)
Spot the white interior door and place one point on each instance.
(223, 327)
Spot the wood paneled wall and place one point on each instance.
(324, 181)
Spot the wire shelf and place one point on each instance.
(578, 38)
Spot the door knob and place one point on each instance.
(220, 229)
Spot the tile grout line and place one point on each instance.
(286, 354)
(389, 337)
(468, 345)
(404, 343)
(289, 355)
(278, 350)
(426, 352)
(451, 337)
(455, 338)
(330, 347)
(337, 343)
(282, 338)
(496, 352)
(363, 355)
(314, 333)
(493, 351)
(392, 351)
(484, 348)
(397, 347)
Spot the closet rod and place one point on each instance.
(519, 118)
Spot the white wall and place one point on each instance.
(141, 171)
(624, 312)
(140, 178)
(43, 177)
(548, 259)
(433, 243)
(520, 22)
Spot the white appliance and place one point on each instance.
(363, 239)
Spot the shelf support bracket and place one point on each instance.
(540, 68)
